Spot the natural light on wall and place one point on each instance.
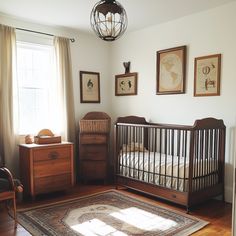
(39, 106)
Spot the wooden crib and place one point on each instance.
(182, 164)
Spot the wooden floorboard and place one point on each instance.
(214, 211)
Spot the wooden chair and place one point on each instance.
(7, 189)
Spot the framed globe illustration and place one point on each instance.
(171, 66)
(207, 75)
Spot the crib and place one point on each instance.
(179, 163)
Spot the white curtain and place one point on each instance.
(64, 73)
(8, 139)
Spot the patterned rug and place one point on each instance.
(109, 213)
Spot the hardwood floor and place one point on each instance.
(214, 211)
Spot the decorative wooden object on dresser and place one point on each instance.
(94, 145)
(46, 168)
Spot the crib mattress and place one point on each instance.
(167, 170)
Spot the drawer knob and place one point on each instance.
(53, 155)
(174, 196)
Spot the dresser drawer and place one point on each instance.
(93, 152)
(94, 169)
(51, 153)
(51, 167)
(93, 139)
(52, 183)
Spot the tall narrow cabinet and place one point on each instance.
(94, 139)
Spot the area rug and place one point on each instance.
(108, 213)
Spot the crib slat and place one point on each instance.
(134, 136)
(172, 155)
(201, 156)
(154, 158)
(210, 154)
(185, 155)
(197, 161)
(165, 153)
(179, 132)
(216, 154)
(207, 163)
(160, 143)
(139, 138)
(121, 130)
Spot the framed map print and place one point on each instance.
(126, 84)
(207, 75)
(89, 87)
(171, 66)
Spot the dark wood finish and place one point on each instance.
(94, 156)
(155, 190)
(94, 150)
(46, 168)
(216, 212)
(201, 145)
(10, 193)
(132, 120)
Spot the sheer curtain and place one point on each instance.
(8, 139)
(64, 73)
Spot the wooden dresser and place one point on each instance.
(94, 141)
(46, 168)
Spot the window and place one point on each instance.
(37, 88)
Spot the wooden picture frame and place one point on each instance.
(89, 87)
(207, 71)
(126, 84)
(171, 70)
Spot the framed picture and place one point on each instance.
(171, 65)
(89, 87)
(126, 84)
(207, 75)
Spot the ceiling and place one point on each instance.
(76, 13)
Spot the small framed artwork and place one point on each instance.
(207, 75)
(171, 66)
(89, 87)
(126, 84)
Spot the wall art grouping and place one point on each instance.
(170, 76)
(171, 73)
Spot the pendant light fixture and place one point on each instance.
(108, 19)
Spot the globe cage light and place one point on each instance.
(108, 20)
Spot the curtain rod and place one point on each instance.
(38, 32)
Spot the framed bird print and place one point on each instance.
(126, 84)
(89, 87)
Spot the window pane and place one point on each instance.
(37, 87)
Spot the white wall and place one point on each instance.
(205, 33)
(91, 54)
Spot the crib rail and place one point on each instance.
(182, 158)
